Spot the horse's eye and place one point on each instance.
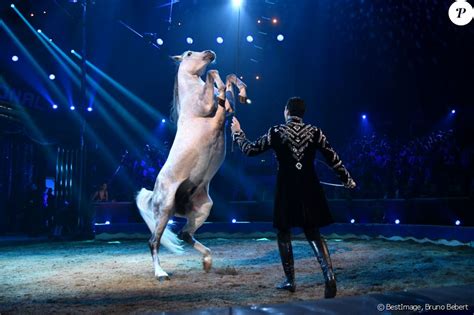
(189, 54)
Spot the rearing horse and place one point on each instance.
(198, 150)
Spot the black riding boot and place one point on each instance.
(320, 249)
(286, 255)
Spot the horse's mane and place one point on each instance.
(174, 115)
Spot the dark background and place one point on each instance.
(402, 63)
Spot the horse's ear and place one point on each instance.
(177, 58)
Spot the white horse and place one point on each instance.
(198, 150)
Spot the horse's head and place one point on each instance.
(194, 62)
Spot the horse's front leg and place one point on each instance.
(233, 79)
(202, 205)
(209, 106)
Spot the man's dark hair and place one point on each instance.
(295, 106)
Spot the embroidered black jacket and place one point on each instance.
(299, 198)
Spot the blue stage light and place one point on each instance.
(453, 111)
(12, 5)
(72, 107)
(107, 222)
(248, 101)
(219, 40)
(237, 3)
(189, 40)
(89, 109)
(171, 221)
(457, 222)
(73, 51)
(280, 37)
(52, 76)
(364, 116)
(15, 58)
(39, 31)
(163, 120)
(353, 221)
(55, 106)
(234, 220)
(159, 41)
(397, 221)
(249, 38)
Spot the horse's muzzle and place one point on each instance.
(209, 55)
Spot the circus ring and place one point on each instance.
(407, 266)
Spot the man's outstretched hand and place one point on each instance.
(235, 125)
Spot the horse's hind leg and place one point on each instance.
(201, 207)
(162, 208)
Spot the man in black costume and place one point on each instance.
(299, 200)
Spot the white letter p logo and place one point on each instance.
(460, 12)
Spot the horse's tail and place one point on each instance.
(169, 239)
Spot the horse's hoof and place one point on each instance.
(163, 278)
(207, 264)
(231, 78)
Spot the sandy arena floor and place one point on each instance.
(106, 277)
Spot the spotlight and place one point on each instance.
(274, 21)
(364, 116)
(219, 40)
(259, 21)
(257, 77)
(163, 120)
(32, 14)
(89, 109)
(52, 76)
(397, 221)
(249, 38)
(353, 221)
(39, 31)
(453, 111)
(73, 51)
(107, 222)
(171, 221)
(159, 41)
(72, 107)
(55, 106)
(236, 3)
(15, 58)
(189, 40)
(12, 5)
(280, 37)
(44, 12)
(234, 220)
(248, 101)
(457, 222)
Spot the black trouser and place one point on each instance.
(312, 234)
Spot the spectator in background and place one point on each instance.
(101, 195)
